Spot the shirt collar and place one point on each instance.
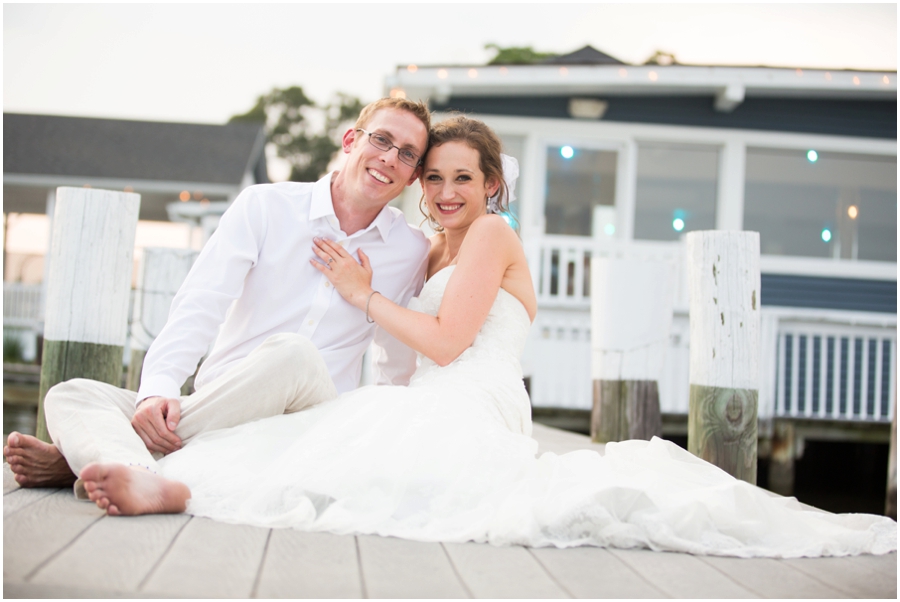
(322, 206)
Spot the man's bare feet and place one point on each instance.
(129, 490)
(35, 463)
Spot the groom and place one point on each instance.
(286, 339)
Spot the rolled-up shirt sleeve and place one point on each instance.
(201, 304)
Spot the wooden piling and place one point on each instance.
(631, 317)
(782, 458)
(160, 275)
(87, 288)
(723, 274)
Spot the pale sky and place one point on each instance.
(205, 62)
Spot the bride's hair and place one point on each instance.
(475, 135)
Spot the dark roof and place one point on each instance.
(584, 56)
(139, 150)
(831, 116)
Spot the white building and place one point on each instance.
(184, 172)
(619, 159)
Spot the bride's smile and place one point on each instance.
(454, 185)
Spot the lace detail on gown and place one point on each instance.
(449, 458)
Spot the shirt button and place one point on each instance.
(311, 322)
(327, 284)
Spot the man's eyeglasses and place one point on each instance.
(381, 143)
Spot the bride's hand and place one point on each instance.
(351, 279)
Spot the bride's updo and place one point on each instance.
(476, 135)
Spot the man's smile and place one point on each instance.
(379, 176)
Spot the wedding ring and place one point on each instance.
(330, 259)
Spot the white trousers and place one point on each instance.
(90, 421)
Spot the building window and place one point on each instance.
(821, 204)
(581, 191)
(676, 190)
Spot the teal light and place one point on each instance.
(567, 152)
(813, 156)
(678, 224)
(826, 234)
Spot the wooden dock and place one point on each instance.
(57, 547)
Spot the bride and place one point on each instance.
(450, 458)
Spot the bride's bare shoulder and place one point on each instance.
(493, 231)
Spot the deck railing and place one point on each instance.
(830, 365)
(839, 372)
(561, 272)
(22, 305)
(839, 366)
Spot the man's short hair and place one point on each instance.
(417, 108)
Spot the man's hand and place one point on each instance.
(155, 421)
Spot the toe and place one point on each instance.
(113, 510)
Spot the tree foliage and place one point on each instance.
(305, 134)
(517, 55)
(661, 57)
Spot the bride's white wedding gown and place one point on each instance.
(449, 458)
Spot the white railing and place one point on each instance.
(812, 382)
(560, 266)
(838, 372)
(22, 305)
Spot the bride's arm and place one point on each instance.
(486, 253)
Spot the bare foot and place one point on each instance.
(130, 490)
(35, 463)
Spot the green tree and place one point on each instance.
(661, 57)
(305, 134)
(517, 55)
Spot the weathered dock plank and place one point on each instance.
(9, 483)
(682, 575)
(770, 578)
(210, 560)
(80, 592)
(57, 547)
(399, 568)
(510, 572)
(34, 536)
(119, 552)
(855, 576)
(885, 564)
(594, 573)
(310, 565)
(20, 498)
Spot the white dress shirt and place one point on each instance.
(253, 277)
